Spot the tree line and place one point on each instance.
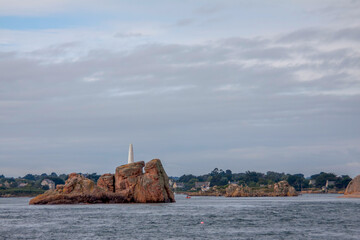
(218, 177)
(33, 181)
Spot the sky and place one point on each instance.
(241, 85)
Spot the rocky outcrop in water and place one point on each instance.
(234, 190)
(283, 188)
(128, 185)
(353, 188)
(280, 189)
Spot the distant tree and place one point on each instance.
(53, 174)
(229, 175)
(10, 180)
(296, 180)
(2, 176)
(92, 176)
(342, 181)
(214, 172)
(204, 178)
(56, 180)
(305, 183)
(322, 178)
(186, 178)
(239, 177)
(274, 177)
(190, 184)
(29, 177)
(218, 180)
(63, 176)
(253, 177)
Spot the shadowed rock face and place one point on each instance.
(128, 185)
(280, 189)
(353, 188)
(107, 182)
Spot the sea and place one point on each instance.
(309, 216)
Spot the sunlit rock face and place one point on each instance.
(129, 184)
(280, 189)
(353, 188)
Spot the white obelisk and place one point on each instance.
(131, 154)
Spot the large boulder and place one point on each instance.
(128, 185)
(127, 177)
(283, 188)
(234, 190)
(353, 188)
(154, 184)
(107, 182)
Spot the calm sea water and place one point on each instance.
(303, 217)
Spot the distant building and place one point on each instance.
(204, 186)
(178, 185)
(312, 182)
(49, 183)
(7, 184)
(232, 183)
(329, 183)
(22, 184)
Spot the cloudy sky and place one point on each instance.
(240, 85)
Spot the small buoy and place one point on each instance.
(201, 222)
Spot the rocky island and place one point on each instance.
(280, 189)
(353, 188)
(129, 184)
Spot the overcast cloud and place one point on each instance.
(197, 85)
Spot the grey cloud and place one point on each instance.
(321, 35)
(302, 35)
(128, 35)
(185, 22)
(347, 34)
(237, 42)
(54, 50)
(209, 9)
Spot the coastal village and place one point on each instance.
(215, 182)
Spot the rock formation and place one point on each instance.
(353, 188)
(234, 190)
(128, 185)
(107, 182)
(279, 189)
(283, 188)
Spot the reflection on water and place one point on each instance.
(303, 217)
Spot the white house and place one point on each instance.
(204, 186)
(48, 182)
(312, 182)
(329, 183)
(178, 185)
(22, 184)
